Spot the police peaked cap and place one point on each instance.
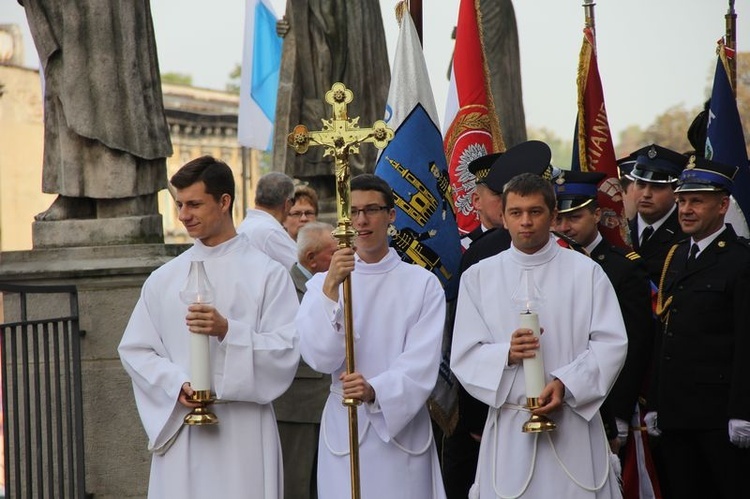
(659, 165)
(705, 175)
(576, 189)
(532, 156)
(625, 167)
(480, 167)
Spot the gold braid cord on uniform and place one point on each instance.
(662, 306)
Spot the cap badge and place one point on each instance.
(652, 152)
(691, 162)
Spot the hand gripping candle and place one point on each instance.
(528, 298)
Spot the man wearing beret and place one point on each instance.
(702, 385)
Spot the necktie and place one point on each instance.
(647, 233)
(693, 253)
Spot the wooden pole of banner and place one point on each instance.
(415, 9)
(730, 40)
(590, 22)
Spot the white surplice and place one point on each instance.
(252, 366)
(583, 344)
(398, 312)
(269, 236)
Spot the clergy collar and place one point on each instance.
(201, 250)
(386, 264)
(544, 255)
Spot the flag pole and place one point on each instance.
(415, 9)
(730, 40)
(588, 9)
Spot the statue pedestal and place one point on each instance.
(109, 280)
(145, 229)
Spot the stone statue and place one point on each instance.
(504, 64)
(106, 136)
(326, 41)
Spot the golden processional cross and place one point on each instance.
(341, 136)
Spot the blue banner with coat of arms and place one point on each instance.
(425, 231)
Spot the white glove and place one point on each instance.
(622, 430)
(739, 433)
(652, 424)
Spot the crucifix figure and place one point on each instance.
(341, 137)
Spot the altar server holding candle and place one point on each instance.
(253, 352)
(584, 344)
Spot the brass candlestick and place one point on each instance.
(198, 290)
(201, 415)
(537, 423)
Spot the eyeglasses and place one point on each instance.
(369, 211)
(308, 214)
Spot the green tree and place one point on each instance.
(631, 139)
(177, 78)
(670, 128)
(561, 149)
(233, 86)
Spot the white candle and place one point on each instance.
(533, 369)
(200, 372)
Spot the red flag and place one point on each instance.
(473, 129)
(639, 479)
(596, 151)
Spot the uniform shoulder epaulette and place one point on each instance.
(630, 255)
(633, 256)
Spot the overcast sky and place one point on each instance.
(653, 54)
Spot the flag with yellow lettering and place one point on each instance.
(593, 149)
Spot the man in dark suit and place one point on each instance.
(655, 229)
(298, 411)
(702, 386)
(578, 218)
(485, 201)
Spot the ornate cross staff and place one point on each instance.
(341, 136)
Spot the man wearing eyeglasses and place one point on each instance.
(398, 314)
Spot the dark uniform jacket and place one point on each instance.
(473, 413)
(703, 362)
(628, 275)
(489, 244)
(655, 250)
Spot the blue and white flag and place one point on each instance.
(414, 165)
(725, 141)
(259, 83)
